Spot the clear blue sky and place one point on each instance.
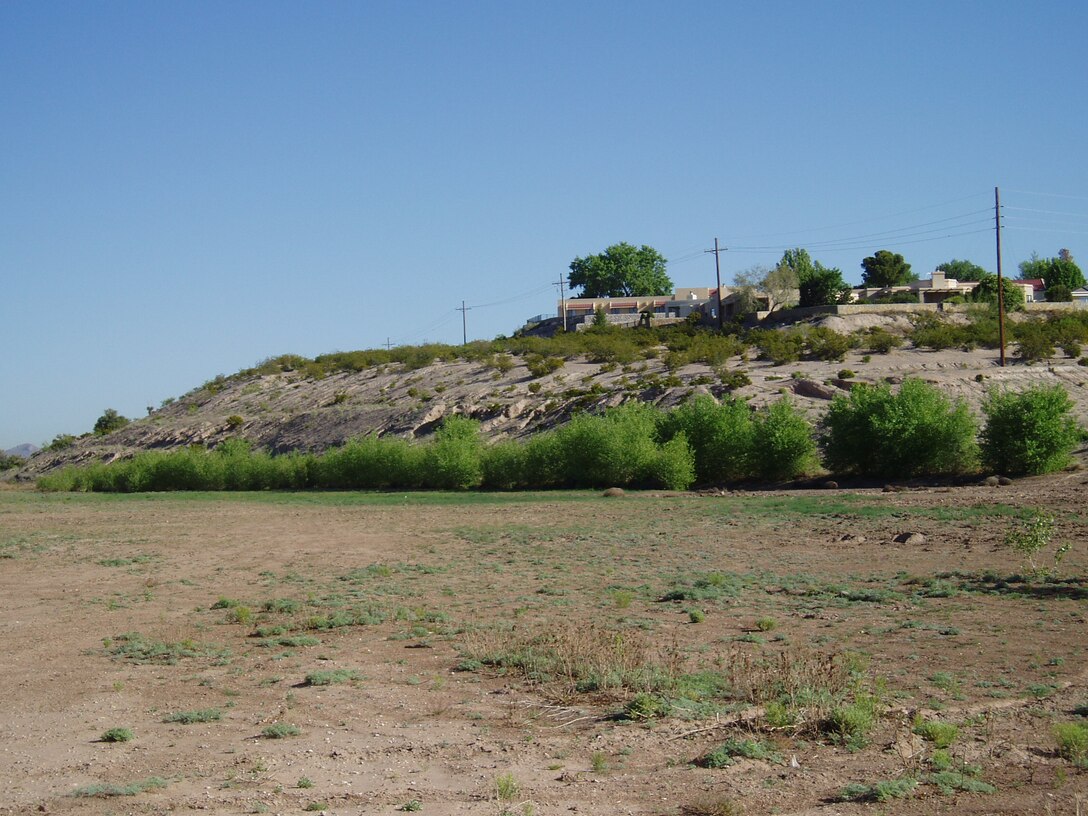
(188, 188)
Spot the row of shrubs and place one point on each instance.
(916, 431)
(688, 343)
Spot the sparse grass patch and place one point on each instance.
(880, 791)
(200, 715)
(281, 731)
(726, 753)
(506, 787)
(104, 791)
(1072, 739)
(941, 734)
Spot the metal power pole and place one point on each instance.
(718, 272)
(1000, 281)
(464, 323)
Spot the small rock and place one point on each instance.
(1004, 481)
(830, 484)
(852, 539)
(910, 539)
(991, 481)
(613, 492)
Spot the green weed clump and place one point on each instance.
(1030, 431)
(726, 753)
(941, 734)
(880, 791)
(200, 715)
(117, 735)
(104, 791)
(331, 677)
(918, 431)
(1072, 739)
(281, 731)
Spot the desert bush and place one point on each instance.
(821, 343)
(1033, 341)
(879, 340)
(541, 366)
(780, 346)
(1072, 739)
(783, 442)
(916, 432)
(1030, 431)
(932, 332)
(720, 436)
(370, 463)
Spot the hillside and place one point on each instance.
(297, 405)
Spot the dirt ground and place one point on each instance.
(121, 611)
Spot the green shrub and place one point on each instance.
(916, 432)
(725, 754)
(646, 706)
(1030, 431)
(1072, 739)
(117, 735)
(880, 791)
(453, 458)
(1033, 341)
(720, 436)
(780, 346)
(879, 340)
(201, 715)
(281, 731)
(783, 442)
(941, 734)
(822, 343)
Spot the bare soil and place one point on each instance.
(944, 627)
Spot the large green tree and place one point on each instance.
(818, 285)
(986, 292)
(622, 270)
(1060, 271)
(962, 270)
(884, 268)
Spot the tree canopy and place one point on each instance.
(819, 285)
(962, 270)
(1060, 271)
(622, 270)
(778, 284)
(109, 422)
(986, 292)
(884, 268)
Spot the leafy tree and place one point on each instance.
(109, 422)
(621, 271)
(819, 285)
(962, 270)
(779, 284)
(885, 268)
(1060, 271)
(1029, 432)
(1059, 294)
(986, 292)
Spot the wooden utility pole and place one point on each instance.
(718, 272)
(388, 344)
(1000, 281)
(464, 323)
(562, 300)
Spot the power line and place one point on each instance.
(891, 234)
(875, 218)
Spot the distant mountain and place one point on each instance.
(25, 450)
